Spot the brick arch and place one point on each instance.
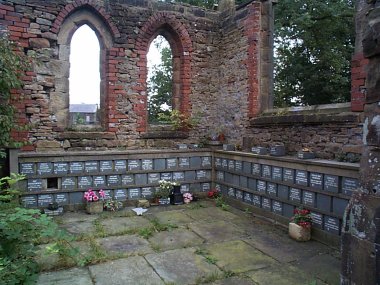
(176, 34)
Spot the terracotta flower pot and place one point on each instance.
(94, 207)
(299, 233)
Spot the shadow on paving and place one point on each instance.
(188, 244)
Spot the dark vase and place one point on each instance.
(176, 198)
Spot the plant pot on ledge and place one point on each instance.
(94, 207)
(299, 233)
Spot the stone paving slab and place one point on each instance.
(125, 245)
(77, 276)
(176, 217)
(118, 225)
(235, 280)
(74, 217)
(132, 271)
(181, 266)
(177, 238)
(212, 214)
(76, 228)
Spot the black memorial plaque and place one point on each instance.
(349, 185)
(247, 167)
(179, 176)
(68, 183)
(153, 178)
(231, 165)
(134, 164)
(195, 162)
(91, 166)
(266, 204)
(225, 163)
(272, 189)
(61, 167)
(339, 206)
(248, 197)
(324, 202)
(171, 163)
(266, 171)
(45, 200)
(99, 181)
(120, 165)
(243, 181)
(84, 182)
(277, 207)
(218, 162)
(127, 179)
(134, 193)
(332, 225)
(206, 161)
(288, 175)
(141, 179)
(256, 200)
(113, 180)
(106, 166)
(34, 184)
(108, 194)
(316, 180)
(295, 195)
(301, 177)
(317, 220)
(184, 162)
(283, 192)
(147, 192)
(167, 176)
(308, 198)
(61, 199)
(159, 164)
(277, 173)
(77, 167)
(120, 194)
(147, 164)
(206, 187)
(238, 166)
(287, 210)
(256, 169)
(331, 183)
(220, 175)
(252, 184)
(239, 195)
(27, 168)
(261, 186)
(189, 175)
(29, 201)
(44, 168)
(231, 192)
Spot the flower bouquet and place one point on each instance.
(187, 197)
(94, 201)
(300, 225)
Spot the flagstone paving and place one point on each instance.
(187, 244)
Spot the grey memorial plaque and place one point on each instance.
(61, 167)
(91, 166)
(45, 200)
(99, 181)
(141, 179)
(68, 183)
(339, 206)
(77, 167)
(179, 176)
(287, 210)
(189, 175)
(76, 198)
(159, 164)
(225, 163)
(218, 162)
(167, 176)
(239, 195)
(252, 184)
(266, 171)
(171, 163)
(195, 187)
(206, 161)
(228, 177)
(256, 169)
(277, 173)
(44, 168)
(27, 168)
(106, 166)
(283, 192)
(153, 178)
(127, 179)
(332, 225)
(61, 199)
(147, 192)
(243, 181)
(185, 188)
(120, 165)
(324, 202)
(29, 201)
(248, 197)
(288, 175)
(134, 164)
(256, 200)
(108, 194)
(195, 162)
(84, 182)
(205, 187)
(220, 175)
(184, 162)
(113, 180)
(331, 183)
(238, 166)
(308, 198)
(349, 185)
(120, 194)
(272, 189)
(247, 167)
(317, 220)
(261, 186)
(35, 184)
(266, 204)
(200, 174)
(231, 164)
(301, 177)
(134, 193)
(316, 180)
(277, 207)
(295, 195)
(231, 192)
(147, 164)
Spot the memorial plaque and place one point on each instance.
(171, 163)
(108, 194)
(224, 189)
(256, 169)
(27, 168)
(91, 166)
(61, 167)
(29, 201)
(189, 175)
(200, 174)
(84, 182)
(179, 176)
(225, 163)
(277, 207)
(252, 184)
(185, 188)
(181, 146)
(244, 181)
(283, 192)
(134, 164)
(266, 171)
(308, 198)
(256, 200)
(239, 195)
(195, 162)
(235, 179)
(77, 167)
(301, 177)
(287, 210)
(44, 168)
(159, 163)
(147, 192)
(99, 181)
(228, 177)
(134, 193)
(61, 199)
(238, 166)
(106, 166)
(317, 220)
(261, 186)
(120, 165)
(166, 176)
(44, 200)
(231, 192)
(339, 206)
(184, 162)
(231, 165)
(247, 167)
(288, 175)
(218, 162)
(295, 195)
(220, 175)
(332, 225)
(316, 180)
(331, 183)
(195, 187)
(141, 179)
(272, 189)
(206, 187)
(153, 178)
(76, 198)
(68, 183)
(266, 204)
(324, 203)
(277, 173)
(248, 197)
(128, 179)
(349, 185)
(120, 194)
(35, 184)
(147, 164)
(113, 180)
(206, 161)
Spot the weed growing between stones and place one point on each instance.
(212, 277)
(209, 259)
(219, 202)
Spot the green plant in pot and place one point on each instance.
(164, 191)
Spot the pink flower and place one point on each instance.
(102, 193)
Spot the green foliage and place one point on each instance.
(219, 202)
(314, 42)
(178, 120)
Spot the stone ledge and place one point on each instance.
(87, 135)
(164, 135)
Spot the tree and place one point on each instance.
(314, 41)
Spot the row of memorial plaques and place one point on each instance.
(324, 222)
(84, 182)
(110, 166)
(319, 181)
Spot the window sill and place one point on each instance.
(165, 134)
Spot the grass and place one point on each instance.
(209, 278)
(209, 259)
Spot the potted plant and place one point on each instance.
(163, 193)
(187, 197)
(94, 204)
(112, 205)
(300, 225)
